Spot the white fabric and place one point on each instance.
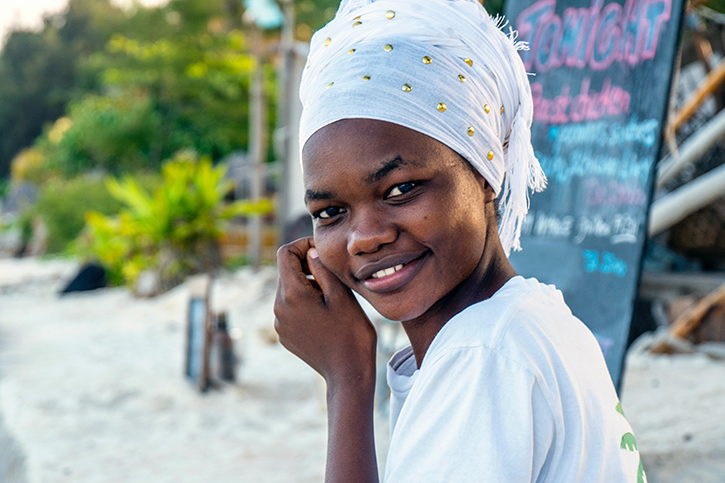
(512, 389)
(450, 33)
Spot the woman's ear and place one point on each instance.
(488, 193)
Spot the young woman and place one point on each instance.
(416, 119)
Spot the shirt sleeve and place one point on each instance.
(473, 416)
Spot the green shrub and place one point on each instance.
(62, 205)
(4, 187)
(175, 230)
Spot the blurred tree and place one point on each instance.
(196, 81)
(172, 78)
(39, 71)
(135, 85)
(311, 15)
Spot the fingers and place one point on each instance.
(328, 282)
(291, 261)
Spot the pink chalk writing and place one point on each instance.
(588, 105)
(593, 37)
(612, 193)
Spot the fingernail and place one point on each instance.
(312, 253)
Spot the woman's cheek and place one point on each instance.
(331, 248)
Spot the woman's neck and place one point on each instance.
(491, 273)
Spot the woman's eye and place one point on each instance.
(401, 189)
(328, 213)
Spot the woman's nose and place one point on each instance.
(371, 229)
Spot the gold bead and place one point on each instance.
(327, 41)
(461, 78)
(389, 14)
(357, 23)
(427, 60)
(490, 155)
(351, 51)
(441, 107)
(486, 108)
(468, 61)
(387, 47)
(366, 77)
(329, 85)
(307, 106)
(471, 131)
(356, 18)
(501, 109)
(407, 88)
(308, 65)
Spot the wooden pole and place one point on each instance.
(257, 144)
(287, 96)
(677, 205)
(687, 322)
(692, 149)
(707, 87)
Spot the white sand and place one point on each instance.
(91, 391)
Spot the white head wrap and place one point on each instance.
(440, 67)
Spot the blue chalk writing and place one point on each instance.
(586, 157)
(585, 163)
(603, 263)
(604, 134)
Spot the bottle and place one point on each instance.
(225, 350)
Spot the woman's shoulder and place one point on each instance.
(519, 305)
(528, 323)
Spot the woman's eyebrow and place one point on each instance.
(311, 195)
(385, 169)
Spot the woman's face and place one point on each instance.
(398, 217)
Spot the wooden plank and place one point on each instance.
(690, 320)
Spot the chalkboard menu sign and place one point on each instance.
(601, 73)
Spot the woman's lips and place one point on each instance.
(392, 278)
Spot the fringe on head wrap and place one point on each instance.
(444, 68)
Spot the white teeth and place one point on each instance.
(387, 271)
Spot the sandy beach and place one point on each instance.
(91, 390)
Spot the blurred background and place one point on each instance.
(149, 167)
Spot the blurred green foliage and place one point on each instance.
(175, 229)
(62, 206)
(118, 90)
(717, 5)
(133, 86)
(41, 71)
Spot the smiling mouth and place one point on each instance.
(387, 271)
(393, 278)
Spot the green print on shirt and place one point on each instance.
(630, 443)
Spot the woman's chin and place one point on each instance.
(396, 311)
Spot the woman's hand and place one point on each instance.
(320, 321)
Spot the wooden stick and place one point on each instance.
(687, 322)
(711, 82)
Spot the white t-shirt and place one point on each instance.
(513, 389)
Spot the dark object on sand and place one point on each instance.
(198, 334)
(89, 277)
(225, 347)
